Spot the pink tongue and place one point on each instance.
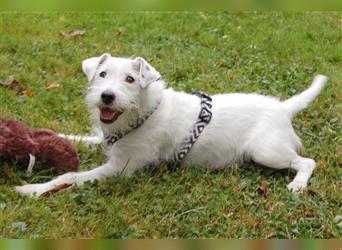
(107, 114)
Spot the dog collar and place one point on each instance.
(204, 118)
(110, 139)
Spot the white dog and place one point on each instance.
(143, 123)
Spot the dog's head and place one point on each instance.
(117, 85)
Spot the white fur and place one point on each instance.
(243, 126)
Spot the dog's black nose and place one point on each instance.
(107, 97)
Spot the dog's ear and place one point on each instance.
(147, 74)
(90, 65)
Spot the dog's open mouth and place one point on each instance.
(109, 115)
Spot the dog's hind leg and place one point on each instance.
(304, 168)
(280, 156)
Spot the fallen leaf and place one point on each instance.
(221, 64)
(14, 84)
(120, 31)
(53, 85)
(72, 33)
(56, 189)
(263, 187)
(28, 93)
(311, 193)
(309, 214)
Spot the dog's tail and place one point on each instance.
(302, 101)
(96, 138)
(88, 140)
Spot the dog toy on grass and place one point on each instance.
(23, 144)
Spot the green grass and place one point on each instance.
(270, 53)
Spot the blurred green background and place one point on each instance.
(105, 5)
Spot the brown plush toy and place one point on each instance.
(18, 141)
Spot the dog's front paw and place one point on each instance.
(31, 190)
(296, 186)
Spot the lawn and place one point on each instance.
(270, 53)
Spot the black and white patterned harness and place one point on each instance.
(203, 119)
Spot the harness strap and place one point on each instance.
(204, 118)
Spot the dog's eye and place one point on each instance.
(129, 79)
(103, 74)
